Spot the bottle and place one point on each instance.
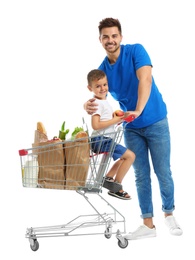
(31, 169)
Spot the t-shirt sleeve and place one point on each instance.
(141, 57)
(99, 108)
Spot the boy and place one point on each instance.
(103, 122)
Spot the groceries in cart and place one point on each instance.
(64, 164)
(63, 131)
(46, 165)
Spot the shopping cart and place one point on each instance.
(71, 165)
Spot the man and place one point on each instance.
(129, 73)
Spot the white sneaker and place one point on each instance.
(142, 232)
(174, 228)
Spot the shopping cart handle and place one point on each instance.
(129, 118)
(23, 152)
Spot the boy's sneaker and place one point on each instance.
(142, 232)
(173, 226)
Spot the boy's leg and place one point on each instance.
(114, 169)
(122, 168)
(125, 163)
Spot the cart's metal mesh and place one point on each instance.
(68, 165)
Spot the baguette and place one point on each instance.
(41, 128)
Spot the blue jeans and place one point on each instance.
(154, 139)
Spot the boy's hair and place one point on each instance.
(95, 75)
(109, 22)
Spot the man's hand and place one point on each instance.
(135, 113)
(90, 106)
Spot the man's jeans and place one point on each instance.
(154, 139)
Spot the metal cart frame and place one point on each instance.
(98, 165)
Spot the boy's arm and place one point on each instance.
(97, 124)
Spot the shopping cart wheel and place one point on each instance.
(123, 244)
(107, 233)
(35, 245)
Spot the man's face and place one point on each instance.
(110, 39)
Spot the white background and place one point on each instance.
(46, 50)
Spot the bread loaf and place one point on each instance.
(81, 134)
(41, 128)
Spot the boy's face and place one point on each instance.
(99, 88)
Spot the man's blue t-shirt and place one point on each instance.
(123, 85)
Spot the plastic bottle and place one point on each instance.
(31, 169)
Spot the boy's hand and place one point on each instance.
(119, 112)
(117, 119)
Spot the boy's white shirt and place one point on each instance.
(105, 111)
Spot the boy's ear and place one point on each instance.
(89, 87)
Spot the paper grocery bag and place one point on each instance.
(40, 137)
(77, 156)
(51, 164)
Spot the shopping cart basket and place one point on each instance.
(71, 165)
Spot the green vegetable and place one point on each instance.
(63, 132)
(76, 130)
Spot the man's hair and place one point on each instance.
(95, 75)
(109, 22)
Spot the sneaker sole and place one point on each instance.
(176, 232)
(135, 238)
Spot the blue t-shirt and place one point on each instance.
(123, 85)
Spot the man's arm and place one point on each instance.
(90, 106)
(144, 75)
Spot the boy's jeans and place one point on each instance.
(154, 139)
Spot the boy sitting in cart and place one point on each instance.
(103, 122)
